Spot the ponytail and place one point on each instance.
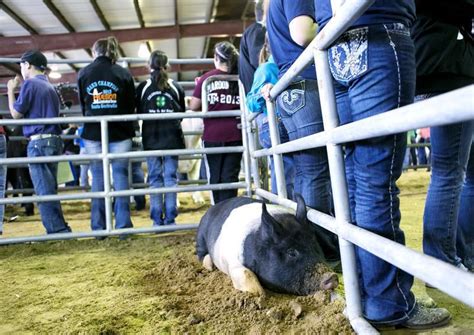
(228, 54)
(158, 63)
(107, 47)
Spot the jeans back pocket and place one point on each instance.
(293, 98)
(348, 56)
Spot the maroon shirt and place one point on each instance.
(219, 98)
(2, 131)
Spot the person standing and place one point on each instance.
(251, 43)
(445, 61)
(265, 77)
(221, 132)
(160, 94)
(291, 27)
(373, 69)
(106, 88)
(38, 100)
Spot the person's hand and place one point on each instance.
(265, 90)
(14, 83)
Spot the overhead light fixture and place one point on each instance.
(54, 74)
(143, 51)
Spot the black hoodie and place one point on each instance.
(106, 89)
(443, 62)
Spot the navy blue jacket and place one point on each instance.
(443, 62)
(250, 46)
(284, 49)
(381, 11)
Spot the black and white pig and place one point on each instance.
(263, 245)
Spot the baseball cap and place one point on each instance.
(36, 58)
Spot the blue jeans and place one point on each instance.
(374, 71)
(300, 112)
(44, 180)
(120, 182)
(265, 142)
(84, 178)
(3, 177)
(443, 220)
(162, 172)
(465, 236)
(138, 177)
(421, 151)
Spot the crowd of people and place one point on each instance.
(394, 54)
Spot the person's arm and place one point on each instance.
(303, 30)
(130, 94)
(12, 85)
(195, 104)
(181, 102)
(80, 92)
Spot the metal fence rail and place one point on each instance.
(106, 157)
(448, 108)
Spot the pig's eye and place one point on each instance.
(292, 252)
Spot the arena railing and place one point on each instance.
(448, 108)
(106, 157)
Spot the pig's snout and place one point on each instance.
(329, 281)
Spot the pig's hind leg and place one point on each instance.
(245, 280)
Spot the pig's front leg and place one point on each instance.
(207, 263)
(245, 280)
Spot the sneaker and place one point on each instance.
(427, 318)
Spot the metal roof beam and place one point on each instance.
(57, 13)
(137, 71)
(28, 28)
(141, 21)
(104, 22)
(10, 46)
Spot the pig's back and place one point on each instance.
(211, 223)
(228, 250)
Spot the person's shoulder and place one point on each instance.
(120, 70)
(141, 85)
(175, 84)
(209, 74)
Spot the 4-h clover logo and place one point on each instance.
(161, 101)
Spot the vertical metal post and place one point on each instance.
(247, 124)
(104, 131)
(277, 158)
(339, 189)
(245, 139)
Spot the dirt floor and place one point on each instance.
(153, 284)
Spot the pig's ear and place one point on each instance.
(270, 227)
(300, 208)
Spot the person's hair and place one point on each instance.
(228, 54)
(265, 52)
(158, 63)
(107, 47)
